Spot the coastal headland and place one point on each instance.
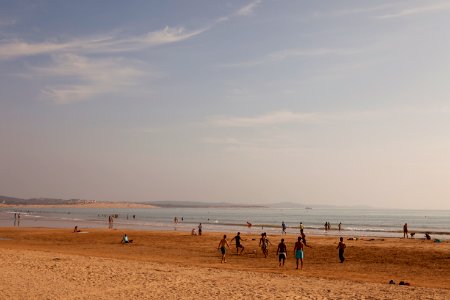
(43, 263)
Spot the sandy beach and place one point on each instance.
(40, 263)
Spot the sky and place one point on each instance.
(314, 102)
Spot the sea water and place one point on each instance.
(355, 222)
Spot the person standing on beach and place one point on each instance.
(264, 244)
(200, 229)
(238, 243)
(341, 246)
(281, 252)
(340, 226)
(223, 242)
(326, 226)
(301, 226)
(405, 230)
(302, 234)
(298, 251)
(283, 228)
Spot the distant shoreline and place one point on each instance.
(82, 205)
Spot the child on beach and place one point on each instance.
(223, 242)
(341, 246)
(238, 243)
(298, 251)
(281, 252)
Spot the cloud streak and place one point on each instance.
(444, 6)
(88, 78)
(248, 9)
(286, 117)
(107, 43)
(286, 54)
(103, 44)
(272, 118)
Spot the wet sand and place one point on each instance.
(55, 263)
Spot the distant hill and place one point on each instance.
(195, 204)
(41, 201)
(287, 205)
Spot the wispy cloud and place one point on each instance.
(7, 22)
(437, 7)
(88, 78)
(352, 11)
(292, 53)
(102, 44)
(110, 43)
(272, 118)
(290, 117)
(248, 9)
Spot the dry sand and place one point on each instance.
(59, 264)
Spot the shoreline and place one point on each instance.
(81, 205)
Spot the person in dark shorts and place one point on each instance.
(223, 242)
(200, 229)
(341, 246)
(238, 240)
(405, 230)
(281, 252)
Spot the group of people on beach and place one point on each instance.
(281, 249)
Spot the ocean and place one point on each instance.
(355, 222)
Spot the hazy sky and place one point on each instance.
(318, 102)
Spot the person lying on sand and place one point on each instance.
(76, 229)
(125, 239)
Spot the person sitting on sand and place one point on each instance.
(223, 242)
(125, 239)
(298, 251)
(427, 236)
(281, 252)
(341, 246)
(193, 232)
(76, 229)
(405, 230)
(238, 243)
(249, 225)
